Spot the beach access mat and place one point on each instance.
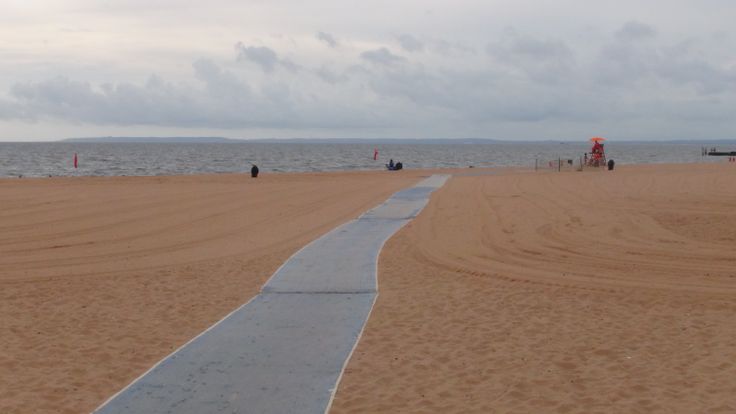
(284, 351)
(343, 261)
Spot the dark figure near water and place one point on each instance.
(394, 167)
(254, 171)
(610, 165)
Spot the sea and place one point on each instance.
(44, 159)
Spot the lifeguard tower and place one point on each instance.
(597, 156)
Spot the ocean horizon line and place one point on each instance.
(382, 141)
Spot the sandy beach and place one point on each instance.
(102, 277)
(592, 292)
(513, 291)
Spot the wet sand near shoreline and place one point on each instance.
(559, 293)
(100, 278)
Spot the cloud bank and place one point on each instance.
(635, 79)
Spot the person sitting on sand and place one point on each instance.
(254, 171)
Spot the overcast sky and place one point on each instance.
(521, 69)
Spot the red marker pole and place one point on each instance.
(75, 160)
(375, 154)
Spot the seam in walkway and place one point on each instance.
(285, 350)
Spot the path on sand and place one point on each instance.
(102, 277)
(284, 351)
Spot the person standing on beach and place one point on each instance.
(254, 171)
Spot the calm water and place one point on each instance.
(56, 159)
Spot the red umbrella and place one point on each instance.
(597, 139)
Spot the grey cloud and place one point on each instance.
(289, 65)
(224, 102)
(706, 78)
(486, 96)
(329, 76)
(219, 82)
(523, 81)
(111, 104)
(327, 38)
(620, 65)
(635, 65)
(447, 48)
(634, 30)
(10, 110)
(444, 70)
(382, 56)
(218, 99)
(264, 57)
(410, 43)
(543, 60)
(481, 96)
(515, 46)
(415, 85)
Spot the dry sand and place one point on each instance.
(558, 292)
(516, 292)
(102, 277)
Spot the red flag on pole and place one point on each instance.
(375, 154)
(75, 160)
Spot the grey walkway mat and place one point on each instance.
(284, 351)
(281, 353)
(436, 181)
(396, 209)
(406, 204)
(412, 194)
(343, 260)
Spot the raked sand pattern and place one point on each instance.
(601, 292)
(103, 277)
(284, 351)
(512, 292)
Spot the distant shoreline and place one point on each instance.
(143, 140)
(377, 141)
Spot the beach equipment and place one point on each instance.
(399, 165)
(597, 153)
(722, 153)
